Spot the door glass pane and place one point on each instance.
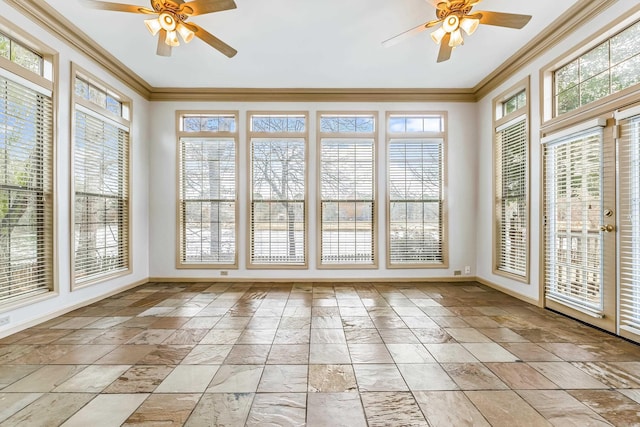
(573, 209)
(629, 174)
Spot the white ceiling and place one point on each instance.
(314, 44)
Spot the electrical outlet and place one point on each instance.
(467, 269)
(4, 320)
(224, 273)
(457, 273)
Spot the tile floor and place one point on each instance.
(322, 355)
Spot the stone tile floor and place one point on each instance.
(281, 354)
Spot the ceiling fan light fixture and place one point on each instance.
(451, 23)
(469, 25)
(172, 39)
(167, 21)
(456, 38)
(153, 25)
(438, 34)
(186, 34)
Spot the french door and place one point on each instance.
(580, 223)
(629, 224)
(592, 223)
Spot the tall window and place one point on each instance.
(511, 178)
(26, 178)
(278, 189)
(604, 70)
(415, 180)
(347, 189)
(207, 209)
(100, 181)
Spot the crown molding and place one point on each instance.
(313, 95)
(579, 14)
(48, 18)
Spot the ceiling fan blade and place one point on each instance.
(163, 48)
(415, 30)
(116, 7)
(212, 40)
(200, 7)
(445, 50)
(501, 19)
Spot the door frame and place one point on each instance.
(609, 316)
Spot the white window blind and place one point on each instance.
(511, 214)
(207, 201)
(415, 184)
(347, 189)
(573, 210)
(278, 189)
(26, 186)
(629, 226)
(101, 205)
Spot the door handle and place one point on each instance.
(607, 228)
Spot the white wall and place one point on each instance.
(65, 299)
(485, 146)
(462, 173)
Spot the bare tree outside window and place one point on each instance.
(278, 189)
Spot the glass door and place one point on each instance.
(579, 221)
(629, 226)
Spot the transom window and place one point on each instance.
(278, 189)
(207, 209)
(415, 180)
(608, 68)
(21, 55)
(100, 97)
(347, 189)
(100, 182)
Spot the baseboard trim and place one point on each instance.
(507, 291)
(39, 320)
(455, 279)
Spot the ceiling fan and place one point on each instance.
(171, 21)
(455, 15)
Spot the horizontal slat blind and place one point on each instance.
(347, 190)
(629, 226)
(278, 189)
(101, 208)
(573, 209)
(26, 186)
(511, 198)
(208, 200)
(415, 179)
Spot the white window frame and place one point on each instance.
(181, 263)
(123, 122)
(304, 136)
(502, 121)
(43, 83)
(419, 136)
(373, 136)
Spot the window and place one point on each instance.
(416, 189)
(278, 189)
(347, 189)
(21, 55)
(207, 209)
(100, 181)
(26, 176)
(511, 180)
(606, 69)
